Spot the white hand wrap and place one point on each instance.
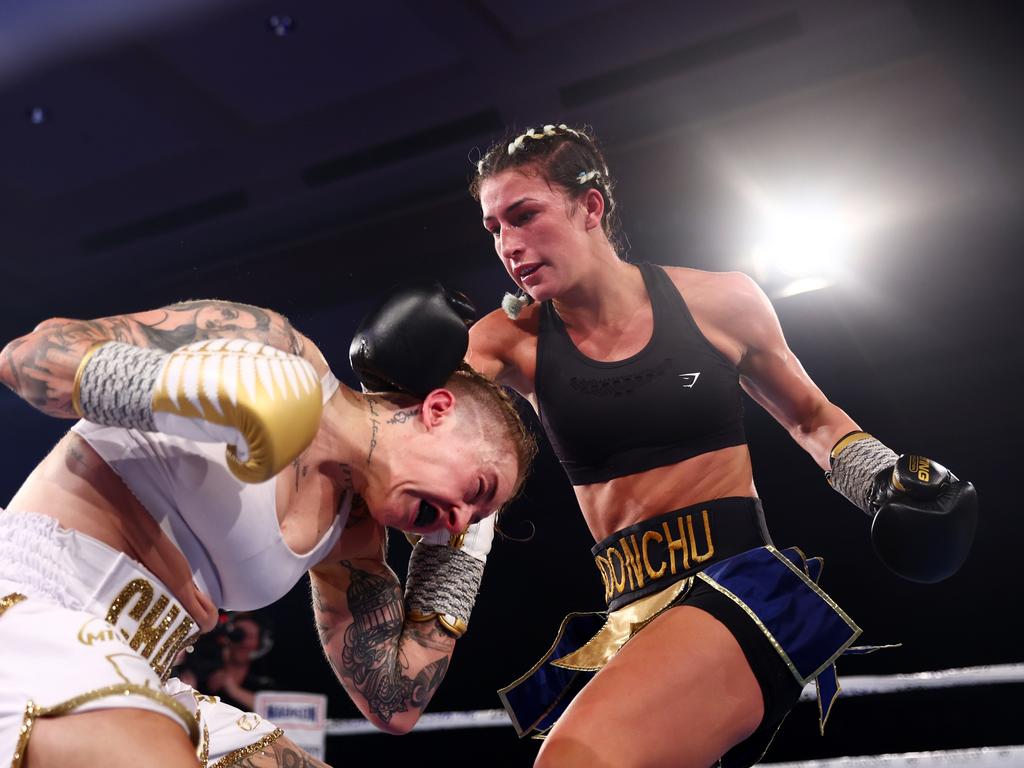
(445, 575)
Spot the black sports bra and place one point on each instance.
(676, 398)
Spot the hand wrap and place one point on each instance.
(856, 459)
(445, 575)
(114, 385)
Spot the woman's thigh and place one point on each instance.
(680, 693)
(113, 738)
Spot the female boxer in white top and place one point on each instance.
(138, 526)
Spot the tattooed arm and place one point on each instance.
(40, 367)
(280, 753)
(390, 666)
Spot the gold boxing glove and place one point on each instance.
(264, 403)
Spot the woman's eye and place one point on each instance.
(427, 515)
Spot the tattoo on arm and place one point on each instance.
(41, 366)
(371, 657)
(429, 634)
(280, 753)
(324, 611)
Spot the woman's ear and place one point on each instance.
(593, 202)
(438, 405)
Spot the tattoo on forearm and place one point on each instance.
(371, 656)
(324, 611)
(282, 753)
(429, 634)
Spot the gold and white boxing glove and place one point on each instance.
(264, 403)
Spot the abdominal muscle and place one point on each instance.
(77, 488)
(611, 506)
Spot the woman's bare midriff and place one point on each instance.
(77, 488)
(610, 506)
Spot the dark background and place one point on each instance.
(185, 150)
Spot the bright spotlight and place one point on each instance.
(801, 247)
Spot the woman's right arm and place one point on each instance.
(40, 366)
(496, 345)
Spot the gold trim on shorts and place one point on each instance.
(543, 660)
(767, 632)
(252, 749)
(620, 627)
(33, 712)
(204, 749)
(10, 600)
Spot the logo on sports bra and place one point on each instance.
(689, 379)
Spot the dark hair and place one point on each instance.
(568, 157)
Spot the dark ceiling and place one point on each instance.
(156, 151)
(190, 142)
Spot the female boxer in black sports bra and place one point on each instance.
(636, 373)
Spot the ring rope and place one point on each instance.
(984, 757)
(853, 685)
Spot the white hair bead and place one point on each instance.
(548, 130)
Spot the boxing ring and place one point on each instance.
(852, 686)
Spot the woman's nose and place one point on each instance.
(511, 245)
(458, 519)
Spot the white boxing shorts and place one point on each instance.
(84, 627)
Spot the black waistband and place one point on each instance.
(652, 554)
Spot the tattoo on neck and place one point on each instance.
(401, 417)
(375, 427)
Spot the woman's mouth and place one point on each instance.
(525, 272)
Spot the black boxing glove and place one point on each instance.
(413, 340)
(924, 517)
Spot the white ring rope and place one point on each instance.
(432, 721)
(867, 685)
(852, 685)
(985, 757)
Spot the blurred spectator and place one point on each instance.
(221, 663)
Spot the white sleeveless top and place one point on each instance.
(227, 529)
